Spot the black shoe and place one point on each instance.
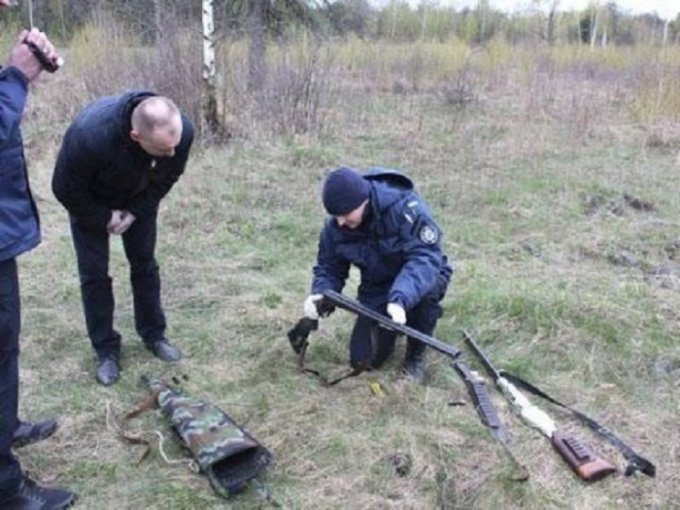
(414, 366)
(31, 496)
(163, 350)
(29, 433)
(108, 371)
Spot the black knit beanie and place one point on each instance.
(343, 191)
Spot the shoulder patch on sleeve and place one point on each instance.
(428, 234)
(411, 212)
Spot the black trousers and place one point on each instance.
(92, 251)
(10, 326)
(365, 349)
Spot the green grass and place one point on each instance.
(540, 279)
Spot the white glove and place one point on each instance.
(397, 313)
(310, 306)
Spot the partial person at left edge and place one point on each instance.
(19, 233)
(118, 159)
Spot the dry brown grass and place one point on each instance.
(514, 176)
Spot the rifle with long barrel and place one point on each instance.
(337, 299)
(580, 457)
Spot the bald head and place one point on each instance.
(157, 126)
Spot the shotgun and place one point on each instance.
(581, 458)
(336, 299)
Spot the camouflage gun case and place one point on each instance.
(224, 451)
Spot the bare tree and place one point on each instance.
(158, 19)
(257, 21)
(261, 18)
(551, 23)
(209, 69)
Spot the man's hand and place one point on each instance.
(23, 58)
(120, 221)
(116, 218)
(397, 313)
(126, 222)
(310, 309)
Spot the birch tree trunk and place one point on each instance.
(593, 28)
(209, 75)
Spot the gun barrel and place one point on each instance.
(353, 306)
(482, 356)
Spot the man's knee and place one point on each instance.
(92, 268)
(371, 351)
(143, 267)
(95, 282)
(425, 316)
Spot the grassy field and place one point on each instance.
(556, 186)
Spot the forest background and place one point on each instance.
(546, 142)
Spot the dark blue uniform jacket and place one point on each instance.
(99, 168)
(397, 247)
(19, 224)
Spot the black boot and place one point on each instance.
(163, 350)
(414, 362)
(31, 496)
(29, 433)
(108, 370)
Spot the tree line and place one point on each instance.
(397, 20)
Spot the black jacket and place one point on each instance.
(100, 168)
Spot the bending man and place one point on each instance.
(119, 158)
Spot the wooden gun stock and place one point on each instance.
(585, 463)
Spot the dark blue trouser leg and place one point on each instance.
(92, 251)
(365, 349)
(140, 244)
(10, 325)
(425, 315)
(423, 318)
